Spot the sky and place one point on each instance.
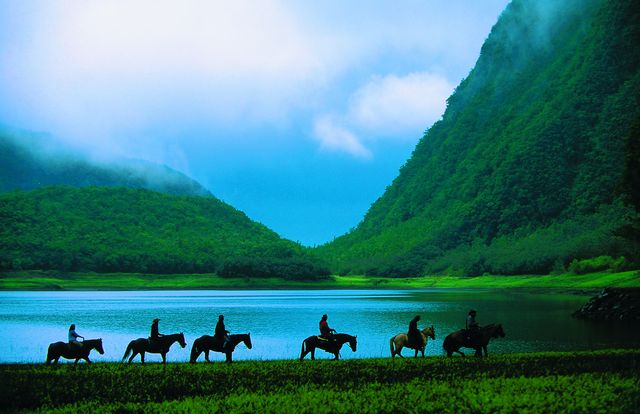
(299, 113)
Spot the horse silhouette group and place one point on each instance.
(205, 344)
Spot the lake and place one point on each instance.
(279, 320)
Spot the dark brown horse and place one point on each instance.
(69, 351)
(478, 341)
(397, 342)
(158, 346)
(333, 346)
(208, 343)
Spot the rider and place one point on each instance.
(73, 336)
(414, 334)
(155, 334)
(325, 331)
(221, 334)
(471, 325)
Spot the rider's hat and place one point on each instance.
(324, 316)
(156, 320)
(472, 311)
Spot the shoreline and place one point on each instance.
(52, 281)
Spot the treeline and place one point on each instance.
(534, 163)
(131, 230)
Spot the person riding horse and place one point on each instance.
(415, 338)
(325, 331)
(221, 334)
(73, 337)
(471, 325)
(155, 334)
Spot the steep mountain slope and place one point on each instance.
(129, 230)
(29, 161)
(535, 161)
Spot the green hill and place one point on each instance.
(535, 162)
(29, 160)
(131, 230)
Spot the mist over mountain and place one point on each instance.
(31, 160)
(535, 161)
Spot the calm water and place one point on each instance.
(279, 320)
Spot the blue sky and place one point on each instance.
(298, 113)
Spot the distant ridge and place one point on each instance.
(115, 230)
(535, 162)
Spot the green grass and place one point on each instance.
(40, 280)
(598, 381)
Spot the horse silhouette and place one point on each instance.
(333, 346)
(460, 339)
(69, 351)
(157, 346)
(208, 343)
(401, 340)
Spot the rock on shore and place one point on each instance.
(612, 304)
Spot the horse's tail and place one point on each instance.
(128, 351)
(447, 344)
(48, 361)
(194, 351)
(302, 351)
(392, 347)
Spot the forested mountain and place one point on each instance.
(131, 230)
(535, 162)
(29, 161)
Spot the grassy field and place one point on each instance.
(38, 280)
(582, 382)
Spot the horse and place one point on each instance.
(208, 343)
(456, 340)
(397, 342)
(332, 346)
(157, 346)
(69, 351)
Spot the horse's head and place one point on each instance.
(353, 343)
(430, 332)
(498, 331)
(99, 347)
(181, 340)
(247, 341)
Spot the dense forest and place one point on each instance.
(131, 230)
(535, 163)
(30, 160)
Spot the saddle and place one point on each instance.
(320, 338)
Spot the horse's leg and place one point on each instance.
(142, 356)
(206, 355)
(479, 352)
(416, 353)
(313, 353)
(485, 350)
(229, 359)
(164, 358)
(399, 350)
(133, 354)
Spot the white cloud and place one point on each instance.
(400, 103)
(334, 137)
(124, 70)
